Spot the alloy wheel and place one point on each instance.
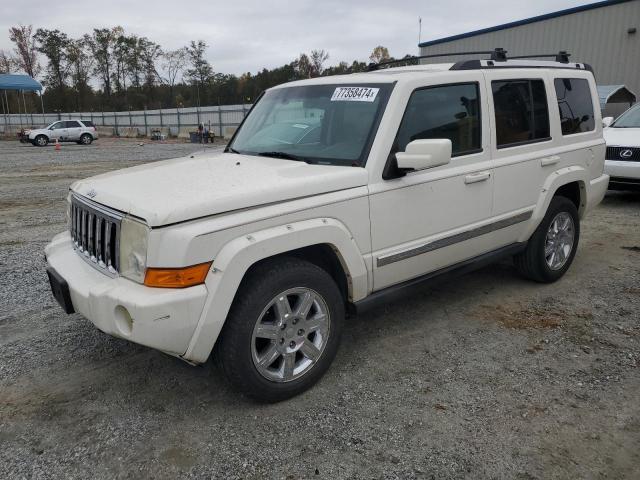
(290, 334)
(559, 241)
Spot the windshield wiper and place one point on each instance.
(284, 155)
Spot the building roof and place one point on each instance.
(526, 21)
(18, 82)
(615, 93)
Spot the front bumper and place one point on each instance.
(624, 175)
(160, 318)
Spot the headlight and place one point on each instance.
(133, 249)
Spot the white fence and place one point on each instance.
(215, 118)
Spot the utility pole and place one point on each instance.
(419, 33)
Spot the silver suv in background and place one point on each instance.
(80, 131)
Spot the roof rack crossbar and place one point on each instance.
(562, 56)
(497, 55)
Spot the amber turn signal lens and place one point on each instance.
(176, 277)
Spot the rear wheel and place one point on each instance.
(86, 139)
(283, 330)
(41, 141)
(553, 245)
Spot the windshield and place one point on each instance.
(325, 124)
(629, 119)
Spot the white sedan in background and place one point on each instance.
(622, 162)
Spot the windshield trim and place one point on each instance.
(386, 89)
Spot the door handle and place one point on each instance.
(552, 160)
(477, 177)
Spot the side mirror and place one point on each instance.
(607, 121)
(423, 154)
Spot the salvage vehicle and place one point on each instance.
(82, 132)
(622, 161)
(396, 176)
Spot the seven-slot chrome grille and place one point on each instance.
(624, 154)
(95, 231)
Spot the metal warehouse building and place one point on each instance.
(605, 35)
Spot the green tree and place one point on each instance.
(80, 64)
(201, 70)
(53, 44)
(303, 66)
(101, 44)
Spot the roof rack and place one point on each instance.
(496, 55)
(562, 56)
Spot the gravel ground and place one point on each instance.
(489, 376)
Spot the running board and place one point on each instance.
(400, 290)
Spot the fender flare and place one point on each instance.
(551, 185)
(236, 257)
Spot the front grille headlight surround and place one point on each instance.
(134, 239)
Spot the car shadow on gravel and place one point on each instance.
(615, 198)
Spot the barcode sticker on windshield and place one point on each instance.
(354, 94)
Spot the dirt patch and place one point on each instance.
(532, 317)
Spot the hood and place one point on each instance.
(622, 137)
(35, 131)
(180, 189)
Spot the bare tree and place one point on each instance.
(25, 49)
(317, 59)
(379, 54)
(6, 62)
(173, 63)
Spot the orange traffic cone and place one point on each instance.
(57, 145)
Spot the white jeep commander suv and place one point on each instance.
(334, 192)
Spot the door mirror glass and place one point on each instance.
(607, 121)
(423, 154)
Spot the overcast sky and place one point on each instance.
(247, 35)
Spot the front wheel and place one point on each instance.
(553, 245)
(41, 141)
(283, 330)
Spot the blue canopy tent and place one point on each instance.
(20, 83)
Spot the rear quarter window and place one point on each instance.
(88, 123)
(575, 105)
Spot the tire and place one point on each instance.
(86, 139)
(546, 258)
(41, 141)
(253, 332)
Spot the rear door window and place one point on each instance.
(521, 112)
(575, 105)
(71, 124)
